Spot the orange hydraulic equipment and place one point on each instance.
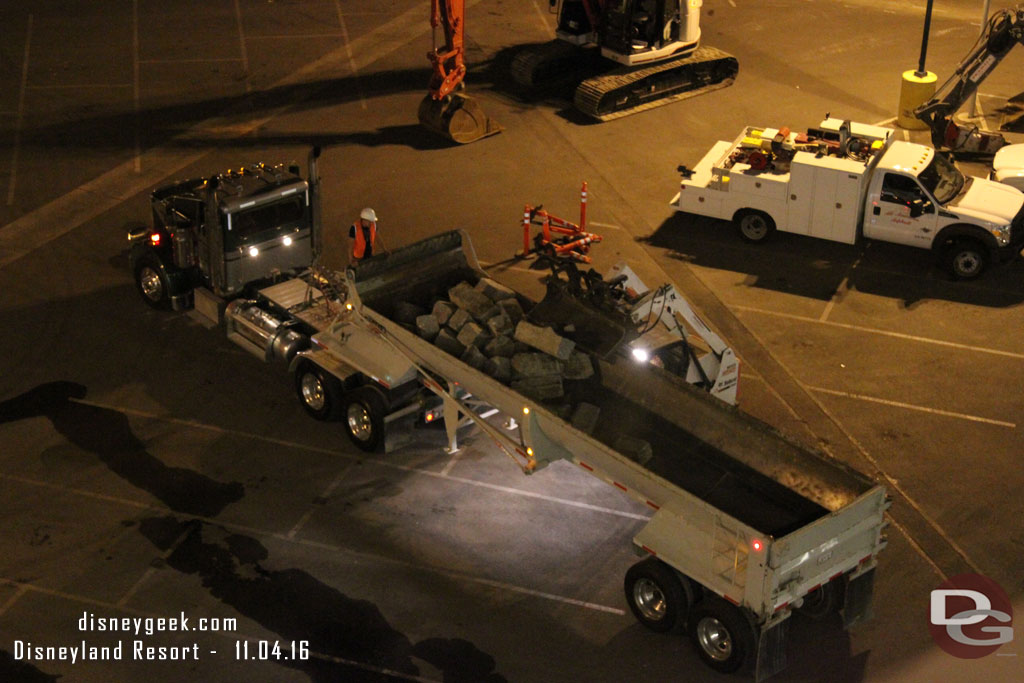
(1003, 32)
(445, 111)
(625, 56)
(558, 237)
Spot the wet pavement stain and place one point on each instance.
(296, 606)
(108, 435)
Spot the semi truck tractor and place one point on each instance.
(843, 181)
(745, 527)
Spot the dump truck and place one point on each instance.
(746, 527)
(843, 181)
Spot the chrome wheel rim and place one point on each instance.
(359, 422)
(649, 599)
(313, 391)
(150, 283)
(714, 638)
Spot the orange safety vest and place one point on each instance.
(359, 246)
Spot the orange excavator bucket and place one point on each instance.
(457, 117)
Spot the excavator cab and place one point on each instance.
(640, 25)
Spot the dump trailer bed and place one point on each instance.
(737, 507)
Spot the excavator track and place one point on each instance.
(626, 91)
(553, 64)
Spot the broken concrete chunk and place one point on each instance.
(579, 366)
(427, 327)
(406, 313)
(535, 365)
(637, 450)
(448, 342)
(472, 334)
(464, 296)
(544, 339)
(472, 357)
(512, 309)
(501, 324)
(491, 312)
(443, 310)
(459, 319)
(500, 369)
(500, 346)
(585, 417)
(495, 291)
(540, 388)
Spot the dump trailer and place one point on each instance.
(746, 526)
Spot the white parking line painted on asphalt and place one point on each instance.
(12, 180)
(21, 590)
(347, 44)
(911, 406)
(886, 333)
(130, 593)
(136, 87)
(64, 214)
(241, 47)
(543, 17)
(323, 496)
(264, 533)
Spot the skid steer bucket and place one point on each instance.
(457, 117)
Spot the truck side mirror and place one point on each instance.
(916, 209)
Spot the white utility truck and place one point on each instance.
(845, 180)
(745, 526)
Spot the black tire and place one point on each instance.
(966, 258)
(723, 636)
(319, 393)
(656, 596)
(362, 413)
(151, 281)
(819, 603)
(753, 226)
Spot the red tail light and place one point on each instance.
(155, 239)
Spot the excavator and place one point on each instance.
(654, 47)
(1004, 30)
(445, 110)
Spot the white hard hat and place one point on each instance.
(368, 214)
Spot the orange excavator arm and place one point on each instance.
(448, 61)
(445, 110)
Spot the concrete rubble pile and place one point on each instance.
(485, 326)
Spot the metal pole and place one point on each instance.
(984, 24)
(921, 73)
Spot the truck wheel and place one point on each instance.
(319, 393)
(966, 259)
(658, 599)
(754, 226)
(363, 414)
(820, 603)
(151, 281)
(722, 634)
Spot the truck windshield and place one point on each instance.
(262, 222)
(942, 179)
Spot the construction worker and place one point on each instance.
(363, 234)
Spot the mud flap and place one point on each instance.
(771, 651)
(857, 605)
(399, 428)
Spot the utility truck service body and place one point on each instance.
(846, 180)
(745, 526)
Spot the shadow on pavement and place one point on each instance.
(296, 606)
(107, 434)
(16, 671)
(815, 268)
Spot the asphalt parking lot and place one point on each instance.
(148, 467)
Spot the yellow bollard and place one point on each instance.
(915, 91)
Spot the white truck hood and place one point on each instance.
(1008, 166)
(987, 200)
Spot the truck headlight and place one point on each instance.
(1001, 233)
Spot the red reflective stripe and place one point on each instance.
(782, 606)
(811, 590)
(735, 602)
(522, 453)
(650, 550)
(618, 485)
(656, 507)
(835, 576)
(864, 559)
(586, 466)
